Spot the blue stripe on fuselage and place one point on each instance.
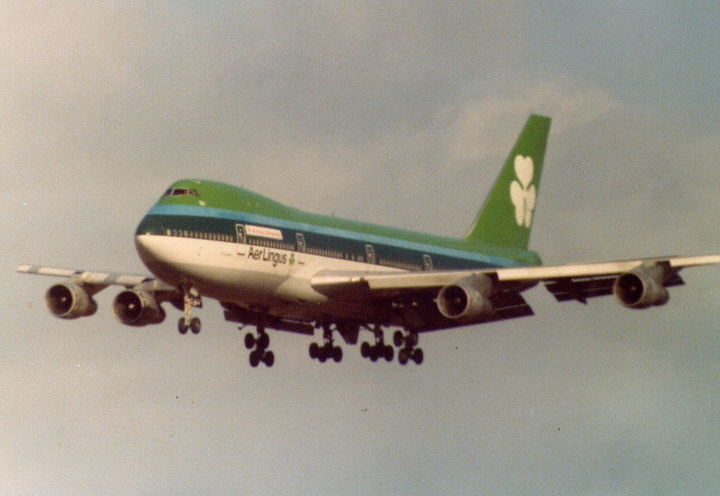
(245, 217)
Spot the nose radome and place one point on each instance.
(148, 247)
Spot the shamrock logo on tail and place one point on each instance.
(522, 193)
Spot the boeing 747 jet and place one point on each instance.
(274, 267)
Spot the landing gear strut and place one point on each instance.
(379, 349)
(328, 349)
(259, 345)
(191, 299)
(409, 350)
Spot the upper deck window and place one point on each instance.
(181, 192)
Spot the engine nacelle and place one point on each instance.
(467, 299)
(137, 308)
(68, 300)
(641, 287)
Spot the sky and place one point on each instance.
(399, 113)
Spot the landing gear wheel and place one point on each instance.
(195, 325)
(389, 353)
(418, 356)
(314, 350)
(374, 354)
(337, 354)
(254, 358)
(269, 358)
(263, 340)
(182, 327)
(365, 349)
(398, 339)
(403, 356)
(249, 341)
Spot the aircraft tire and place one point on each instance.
(314, 351)
(269, 358)
(263, 341)
(374, 354)
(418, 356)
(337, 354)
(249, 341)
(403, 356)
(254, 358)
(182, 328)
(388, 353)
(195, 325)
(365, 349)
(398, 339)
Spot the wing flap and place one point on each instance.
(334, 283)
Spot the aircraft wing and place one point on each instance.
(572, 281)
(99, 279)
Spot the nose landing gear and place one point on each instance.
(191, 299)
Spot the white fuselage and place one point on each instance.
(262, 278)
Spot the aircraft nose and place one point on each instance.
(147, 236)
(147, 247)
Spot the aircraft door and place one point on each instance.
(240, 238)
(427, 262)
(301, 247)
(370, 254)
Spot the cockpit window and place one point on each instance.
(181, 192)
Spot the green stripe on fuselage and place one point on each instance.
(219, 206)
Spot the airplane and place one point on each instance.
(275, 267)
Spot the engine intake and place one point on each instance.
(641, 287)
(467, 299)
(68, 300)
(137, 308)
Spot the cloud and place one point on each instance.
(478, 129)
(397, 113)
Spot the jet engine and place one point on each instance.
(468, 299)
(641, 287)
(138, 308)
(68, 300)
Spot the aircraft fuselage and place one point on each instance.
(263, 257)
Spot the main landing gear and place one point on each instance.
(379, 349)
(259, 344)
(328, 349)
(191, 299)
(409, 350)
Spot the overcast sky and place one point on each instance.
(398, 113)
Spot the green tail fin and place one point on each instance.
(506, 217)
